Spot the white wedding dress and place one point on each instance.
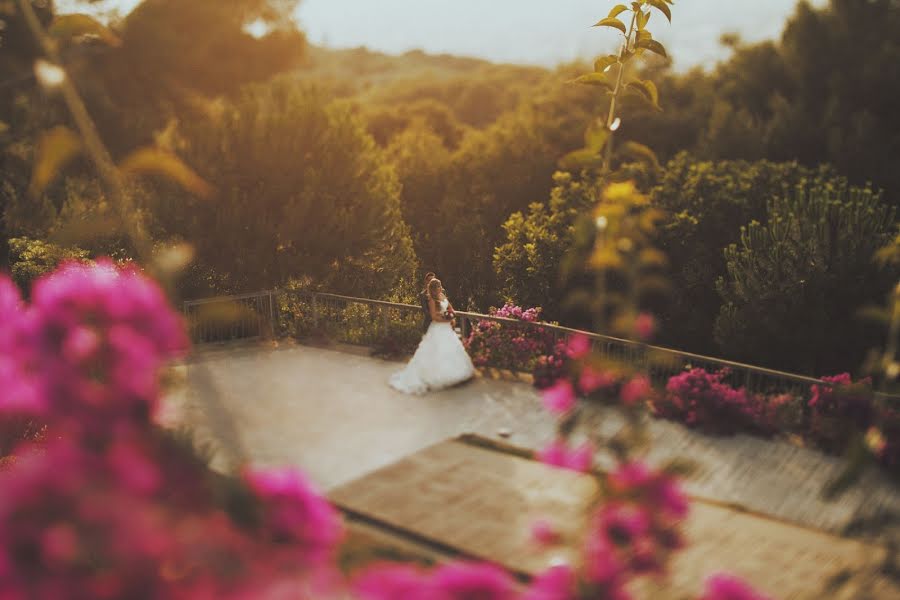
(440, 361)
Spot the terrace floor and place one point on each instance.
(330, 412)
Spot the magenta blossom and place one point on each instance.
(592, 380)
(560, 398)
(294, 513)
(622, 524)
(99, 334)
(556, 583)
(645, 326)
(603, 569)
(723, 586)
(394, 582)
(637, 480)
(558, 454)
(578, 346)
(637, 389)
(544, 533)
(468, 581)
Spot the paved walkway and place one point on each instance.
(331, 412)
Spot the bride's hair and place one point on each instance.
(434, 287)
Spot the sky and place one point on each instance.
(543, 32)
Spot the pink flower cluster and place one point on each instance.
(640, 526)
(109, 506)
(723, 586)
(88, 348)
(632, 535)
(559, 454)
(453, 581)
(509, 345)
(703, 400)
(839, 412)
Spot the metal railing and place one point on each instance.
(229, 318)
(363, 321)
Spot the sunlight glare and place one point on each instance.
(257, 29)
(48, 74)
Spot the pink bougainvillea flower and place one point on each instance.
(133, 469)
(622, 524)
(559, 398)
(637, 389)
(592, 380)
(465, 581)
(544, 533)
(723, 586)
(635, 479)
(645, 326)
(394, 582)
(603, 569)
(294, 513)
(578, 346)
(558, 454)
(582, 458)
(556, 583)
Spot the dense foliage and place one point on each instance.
(795, 285)
(464, 150)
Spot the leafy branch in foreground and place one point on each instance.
(611, 75)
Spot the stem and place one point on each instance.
(94, 146)
(611, 116)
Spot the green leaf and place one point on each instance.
(661, 7)
(76, 25)
(580, 159)
(641, 153)
(596, 79)
(647, 90)
(644, 35)
(595, 138)
(150, 160)
(642, 20)
(614, 23)
(652, 46)
(54, 149)
(605, 62)
(617, 10)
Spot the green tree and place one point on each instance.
(527, 263)
(423, 167)
(707, 203)
(794, 285)
(174, 57)
(826, 93)
(31, 258)
(302, 191)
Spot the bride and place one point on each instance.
(440, 360)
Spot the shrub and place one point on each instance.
(400, 339)
(549, 368)
(838, 412)
(509, 345)
(703, 400)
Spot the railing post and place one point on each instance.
(272, 314)
(315, 310)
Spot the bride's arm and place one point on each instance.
(433, 309)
